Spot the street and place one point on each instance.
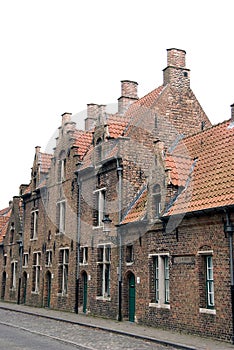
(21, 331)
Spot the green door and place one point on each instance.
(131, 301)
(24, 287)
(84, 292)
(48, 289)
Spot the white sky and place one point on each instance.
(57, 56)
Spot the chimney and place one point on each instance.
(102, 114)
(128, 95)
(176, 72)
(92, 114)
(66, 117)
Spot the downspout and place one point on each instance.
(119, 172)
(229, 229)
(78, 243)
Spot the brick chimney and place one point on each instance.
(176, 72)
(128, 95)
(92, 115)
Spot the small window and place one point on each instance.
(5, 260)
(61, 216)
(48, 258)
(34, 224)
(84, 255)
(100, 199)
(12, 231)
(25, 260)
(129, 254)
(209, 281)
(160, 287)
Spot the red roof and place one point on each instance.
(45, 159)
(211, 180)
(83, 140)
(137, 209)
(4, 219)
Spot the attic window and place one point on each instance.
(185, 74)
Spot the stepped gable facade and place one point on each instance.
(132, 217)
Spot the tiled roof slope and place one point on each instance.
(137, 209)
(83, 140)
(4, 219)
(211, 180)
(45, 159)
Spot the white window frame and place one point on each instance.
(25, 259)
(34, 234)
(49, 255)
(37, 268)
(61, 216)
(209, 309)
(13, 274)
(161, 280)
(84, 255)
(105, 264)
(65, 266)
(101, 204)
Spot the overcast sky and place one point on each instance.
(57, 56)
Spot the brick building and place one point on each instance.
(132, 217)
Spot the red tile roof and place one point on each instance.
(211, 180)
(45, 159)
(137, 209)
(4, 219)
(83, 140)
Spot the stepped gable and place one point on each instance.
(211, 181)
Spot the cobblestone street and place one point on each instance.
(75, 334)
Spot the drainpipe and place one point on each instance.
(229, 229)
(21, 247)
(119, 172)
(78, 243)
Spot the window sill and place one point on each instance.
(59, 233)
(103, 298)
(33, 239)
(48, 265)
(207, 311)
(97, 227)
(62, 295)
(160, 306)
(34, 292)
(129, 263)
(83, 264)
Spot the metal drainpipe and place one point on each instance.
(229, 229)
(21, 247)
(119, 172)
(78, 244)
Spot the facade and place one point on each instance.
(132, 217)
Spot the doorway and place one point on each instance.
(85, 290)
(47, 289)
(131, 297)
(3, 290)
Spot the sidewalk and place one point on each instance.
(182, 341)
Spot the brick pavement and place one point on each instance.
(183, 341)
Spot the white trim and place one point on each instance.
(207, 311)
(205, 252)
(160, 306)
(100, 189)
(159, 254)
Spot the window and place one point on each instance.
(13, 274)
(104, 256)
(61, 216)
(160, 283)
(5, 260)
(12, 230)
(206, 282)
(34, 224)
(156, 200)
(84, 255)
(209, 282)
(25, 260)
(62, 170)
(36, 272)
(99, 207)
(48, 258)
(129, 254)
(63, 271)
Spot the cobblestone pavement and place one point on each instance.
(75, 334)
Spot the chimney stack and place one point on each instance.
(176, 72)
(92, 114)
(128, 95)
